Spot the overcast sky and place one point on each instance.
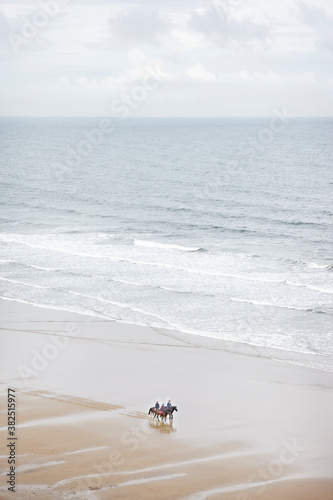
(166, 58)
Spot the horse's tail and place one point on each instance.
(150, 410)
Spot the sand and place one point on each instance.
(247, 427)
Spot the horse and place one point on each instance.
(169, 411)
(164, 413)
(153, 410)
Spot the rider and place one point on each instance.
(157, 405)
(169, 405)
(163, 406)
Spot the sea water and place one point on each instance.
(218, 227)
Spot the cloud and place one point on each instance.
(4, 30)
(220, 28)
(140, 69)
(139, 26)
(270, 79)
(257, 78)
(321, 23)
(93, 51)
(198, 72)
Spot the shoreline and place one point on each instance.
(312, 360)
(246, 428)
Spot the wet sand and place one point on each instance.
(247, 427)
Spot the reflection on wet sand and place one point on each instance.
(162, 426)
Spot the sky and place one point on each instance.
(166, 58)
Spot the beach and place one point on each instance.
(247, 427)
(166, 239)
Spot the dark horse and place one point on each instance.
(163, 413)
(153, 410)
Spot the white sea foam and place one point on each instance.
(28, 265)
(310, 287)
(41, 268)
(165, 246)
(23, 283)
(125, 306)
(166, 265)
(266, 303)
(313, 265)
(104, 236)
(75, 310)
(128, 282)
(52, 247)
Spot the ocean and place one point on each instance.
(214, 227)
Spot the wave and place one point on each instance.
(190, 270)
(123, 305)
(159, 287)
(315, 288)
(313, 265)
(32, 266)
(56, 270)
(85, 312)
(187, 292)
(127, 282)
(104, 236)
(166, 246)
(41, 268)
(310, 265)
(23, 283)
(270, 304)
(179, 268)
(53, 248)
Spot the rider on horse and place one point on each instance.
(157, 405)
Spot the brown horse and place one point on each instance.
(153, 410)
(163, 413)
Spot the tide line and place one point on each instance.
(202, 495)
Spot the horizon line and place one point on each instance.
(159, 116)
